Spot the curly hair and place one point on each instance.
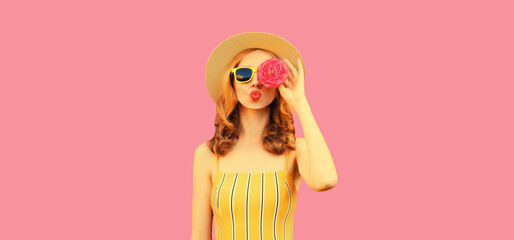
(280, 132)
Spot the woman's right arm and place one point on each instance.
(202, 212)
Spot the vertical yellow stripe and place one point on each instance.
(269, 205)
(239, 204)
(215, 211)
(291, 224)
(224, 205)
(218, 205)
(289, 207)
(247, 207)
(284, 203)
(254, 206)
(276, 218)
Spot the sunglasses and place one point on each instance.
(243, 74)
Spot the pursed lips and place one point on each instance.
(255, 94)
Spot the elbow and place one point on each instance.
(332, 183)
(327, 184)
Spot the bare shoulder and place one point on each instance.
(203, 150)
(301, 146)
(203, 159)
(300, 140)
(301, 151)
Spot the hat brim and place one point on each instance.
(217, 64)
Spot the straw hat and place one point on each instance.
(218, 63)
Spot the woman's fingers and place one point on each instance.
(287, 83)
(292, 71)
(300, 67)
(291, 67)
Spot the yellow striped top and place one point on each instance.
(253, 206)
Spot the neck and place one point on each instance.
(253, 123)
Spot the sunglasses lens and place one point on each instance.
(243, 74)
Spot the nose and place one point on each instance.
(255, 81)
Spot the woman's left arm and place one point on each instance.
(314, 160)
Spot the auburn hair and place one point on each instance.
(280, 132)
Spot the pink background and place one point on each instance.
(102, 104)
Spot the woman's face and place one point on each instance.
(243, 90)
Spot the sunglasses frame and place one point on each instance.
(254, 70)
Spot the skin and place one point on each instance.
(311, 161)
(254, 114)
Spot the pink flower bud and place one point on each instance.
(272, 72)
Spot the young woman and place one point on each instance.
(248, 175)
